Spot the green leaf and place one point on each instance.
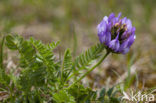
(36, 59)
(13, 41)
(108, 96)
(45, 55)
(53, 45)
(87, 57)
(110, 91)
(102, 95)
(66, 65)
(114, 100)
(63, 97)
(82, 94)
(25, 49)
(67, 62)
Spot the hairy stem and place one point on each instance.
(97, 64)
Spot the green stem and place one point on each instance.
(11, 95)
(62, 68)
(97, 64)
(1, 53)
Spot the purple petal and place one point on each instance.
(111, 16)
(133, 30)
(105, 19)
(115, 44)
(124, 20)
(102, 37)
(119, 15)
(124, 35)
(124, 51)
(108, 39)
(129, 24)
(131, 40)
(109, 26)
(105, 38)
(124, 48)
(115, 20)
(102, 27)
(124, 45)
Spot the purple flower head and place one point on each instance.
(116, 33)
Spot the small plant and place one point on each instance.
(45, 79)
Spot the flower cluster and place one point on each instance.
(116, 33)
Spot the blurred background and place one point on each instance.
(73, 22)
